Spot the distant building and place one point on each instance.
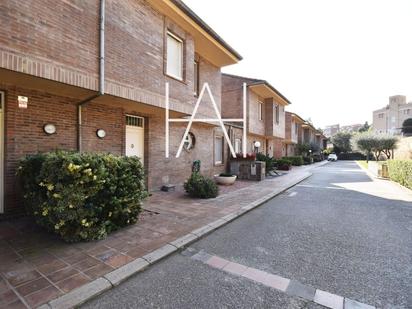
(331, 130)
(390, 118)
(351, 128)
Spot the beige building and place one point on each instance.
(390, 118)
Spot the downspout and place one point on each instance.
(101, 76)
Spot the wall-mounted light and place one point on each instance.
(49, 128)
(257, 144)
(101, 133)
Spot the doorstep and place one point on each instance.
(38, 269)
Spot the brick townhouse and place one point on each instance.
(90, 75)
(293, 133)
(313, 136)
(265, 114)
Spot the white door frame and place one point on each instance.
(2, 137)
(142, 128)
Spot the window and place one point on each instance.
(260, 111)
(134, 121)
(174, 56)
(238, 145)
(196, 78)
(380, 116)
(406, 111)
(276, 112)
(296, 128)
(218, 149)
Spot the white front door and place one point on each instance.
(135, 137)
(2, 111)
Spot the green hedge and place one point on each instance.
(295, 160)
(269, 161)
(401, 172)
(201, 187)
(82, 196)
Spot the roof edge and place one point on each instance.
(188, 11)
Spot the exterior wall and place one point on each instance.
(279, 148)
(291, 134)
(279, 128)
(390, 118)
(64, 48)
(255, 125)
(24, 135)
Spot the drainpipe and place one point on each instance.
(101, 76)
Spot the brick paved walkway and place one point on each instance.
(36, 267)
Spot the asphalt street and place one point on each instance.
(338, 231)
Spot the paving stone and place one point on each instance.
(42, 296)
(62, 274)
(217, 262)
(159, 253)
(235, 268)
(118, 260)
(183, 241)
(80, 295)
(328, 299)
(73, 282)
(277, 282)
(295, 288)
(353, 304)
(18, 277)
(98, 271)
(32, 286)
(117, 276)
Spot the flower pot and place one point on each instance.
(225, 180)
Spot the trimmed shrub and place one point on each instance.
(82, 196)
(269, 161)
(295, 160)
(201, 187)
(400, 171)
(351, 156)
(307, 160)
(283, 164)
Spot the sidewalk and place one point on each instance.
(37, 267)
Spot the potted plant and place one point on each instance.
(225, 179)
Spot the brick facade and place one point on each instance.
(60, 46)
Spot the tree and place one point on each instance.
(407, 127)
(377, 143)
(341, 140)
(365, 127)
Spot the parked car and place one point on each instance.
(332, 157)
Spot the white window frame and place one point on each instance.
(260, 110)
(2, 137)
(218, 162)
(175, 37)
(196, 77)
(276, 114)
(238, 145)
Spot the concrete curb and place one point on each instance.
(92, 289)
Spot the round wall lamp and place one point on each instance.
(257, 144)
(49, 128)
(101, 133)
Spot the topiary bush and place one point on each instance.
(295, 160)
(400, 171)
(82, 196)
(283, 164)
(201, 187)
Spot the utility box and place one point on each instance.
(248, 170)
